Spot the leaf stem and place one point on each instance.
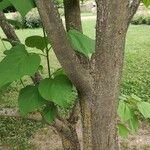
(47, 55)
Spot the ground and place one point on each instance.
(22, 134)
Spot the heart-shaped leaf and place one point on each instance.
(36, 41)
(30, 100)
(17, 63)
(59, 90)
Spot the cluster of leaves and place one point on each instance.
(129, 109)
(51, 93)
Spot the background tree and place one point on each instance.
(96, 78)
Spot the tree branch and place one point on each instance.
(133, 8)
(72, 14)
(62, 48)
(12, 112)
(8, 30)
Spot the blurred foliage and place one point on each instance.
(15, 133)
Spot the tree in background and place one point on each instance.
(94, 68)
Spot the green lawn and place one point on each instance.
(136, 78)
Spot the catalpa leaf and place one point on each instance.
(4, 4)
(146, 2)
(59, 71)
(49, 113)
(15, 23)
(23, 6)
(30, 100)
(123, 130)
(144, 108)
(124, 111)
(36, 41)
(17, 63)
(59, 90)
(81, 42)
(133, 123)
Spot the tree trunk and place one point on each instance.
(85, 102)
(111, 32)
(72, 14)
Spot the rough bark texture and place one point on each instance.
(72, 14)
(112, 24)
(85, 106)
(73, 20)
(68, 135)
(99, 92)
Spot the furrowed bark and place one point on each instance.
(112, 24)
(72, 14)
(62, 48)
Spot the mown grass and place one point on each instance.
(136, 79)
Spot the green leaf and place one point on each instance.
(4, 4)
(17, 63)
(136, 98)
(10, 41)
(123, 131)
(23, 6)
(133, 123)
(15, 23)
(37, 41)
(81, 42)
(146, 2)
(58, 72)
(59, 90)
(49, 113)
(144, 108)
(124, 111)
(30, 100)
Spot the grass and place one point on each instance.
(136, 79)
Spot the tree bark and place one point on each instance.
(68, 135)
(7, 29)
(85, 107)
(111, 31)
(73, 20)
(72, 14)
(98, 88)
